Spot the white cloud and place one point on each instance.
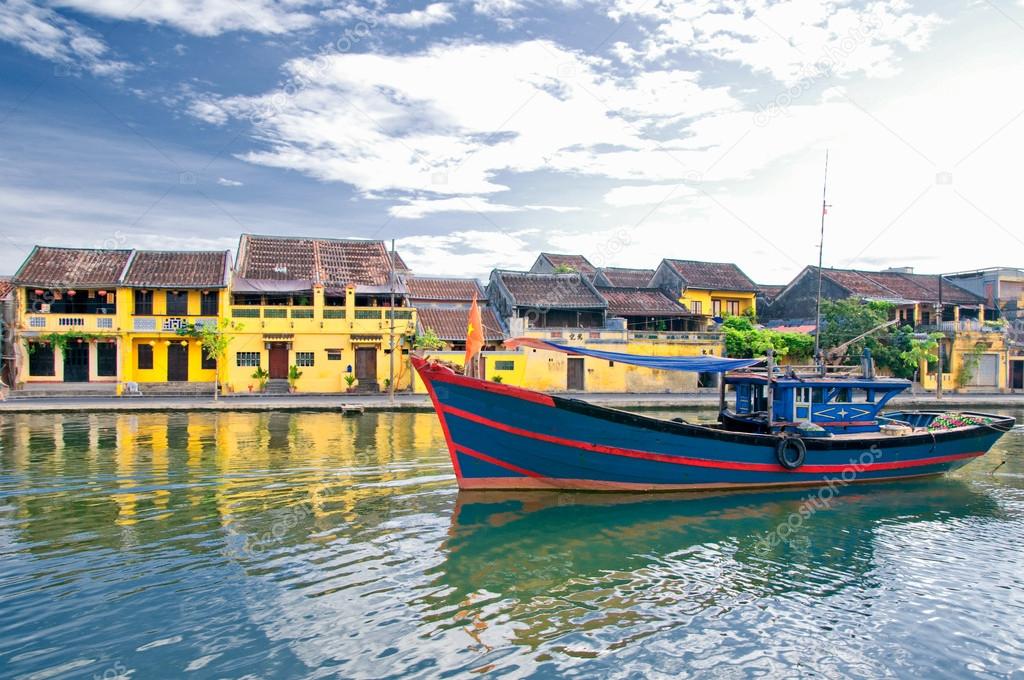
(225, 182)
(205, 17)
(469, 112)
(208, 112)
(787, 39)
(419, 207)
(652, 194)
(47, 34)
(432, 14)
(467, 253)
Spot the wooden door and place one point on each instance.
(177, 363)
(106, 359)
(278, 362)
(1017, 375)
(76, 362)
(366, 364)
(574, 380)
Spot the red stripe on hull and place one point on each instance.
(485, 386)
(550, 484)
(700, 462)
(494, 461)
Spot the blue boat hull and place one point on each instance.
(503, 437)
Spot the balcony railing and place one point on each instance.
(362, 319)
(167, 324)
(69, 322)
(607, 334)
(961, 326)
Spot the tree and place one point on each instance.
(922, 350)
(428, 340)
(214, 340)
(744, 341)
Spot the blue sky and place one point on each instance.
(479, 133)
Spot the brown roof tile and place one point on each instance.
(177, 269)
(72, 267)
(6, 286)
(361, 262)
(620, 277)
(561, 291)
(577, 262)
(712, 275)
(898, 286)
(444, 289)
(641, 302)
(451, 324)
(329, 261)
(770, 292)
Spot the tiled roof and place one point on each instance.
(641, 302)
(6, 286)
(770, 292)
(451, 324)
(712, 275)
(361, 262)
(329, 261)
(558, 291)
(400, 265)
(577, 262)
(620, 277)
(72, 267)
(444, 289)
(178, 269)
(899, 286)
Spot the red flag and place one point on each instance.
(474, 334)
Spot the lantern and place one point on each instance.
(152, 343)
(167, 343)
(101, 293)
(71, 293)
(39, 291)
(184, 343)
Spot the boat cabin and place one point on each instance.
(839, 405)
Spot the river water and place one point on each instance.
(245, 545)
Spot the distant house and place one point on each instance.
(620, 277)
(1001, 287)
(914, 295)
(709, 289)
(442, 306)
(400, 266)
(554, 263)
(766, 295)
(916, 300)
(648, 309)
(546, 300)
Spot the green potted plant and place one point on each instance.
(293, 377)
(261, 376)
(350, 380)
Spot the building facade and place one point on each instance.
(712, 290)
(319, 307)
(442, 307)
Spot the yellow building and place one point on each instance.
(708, 289)
(162, 292)
(319, 307)
(108, 317)
(975, 358)
(70, 316)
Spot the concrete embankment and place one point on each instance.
(346, 403)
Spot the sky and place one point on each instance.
(478, 133)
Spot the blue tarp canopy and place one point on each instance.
(701, 364)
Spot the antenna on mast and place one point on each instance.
(821, 255)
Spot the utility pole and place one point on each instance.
(821, 257)
(939, 314)
(391, 381)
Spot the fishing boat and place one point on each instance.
(785, 429)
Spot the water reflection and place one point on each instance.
(311, 544)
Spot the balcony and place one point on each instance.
(962, 326)
(280, 319)
(620, 335)
(678, 336)
(168, 324)
(61, 323)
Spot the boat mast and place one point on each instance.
(821, 256)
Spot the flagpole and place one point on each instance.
(821, 259)
(391, 381)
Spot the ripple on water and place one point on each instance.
(309, 545)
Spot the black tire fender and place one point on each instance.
(791, 452)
